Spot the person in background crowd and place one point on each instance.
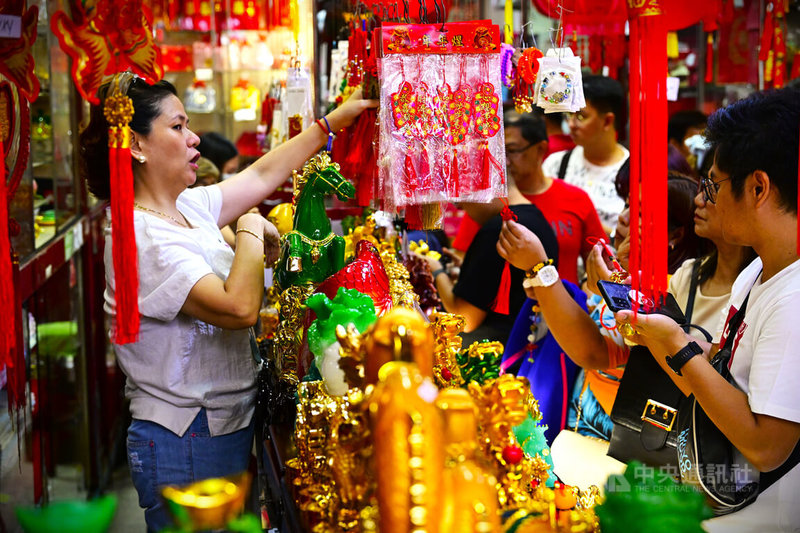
(593, 164)
(681, 126)
(557, 140)
(190, 374)
(478, 292)
(221, 152)
(568, 209)
(753, 186)
(208, 174)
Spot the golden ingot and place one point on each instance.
(399, 335)
(207, 504)
(281, 216)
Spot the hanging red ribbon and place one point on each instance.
(15, 365)
(709, 77)
(648, 191)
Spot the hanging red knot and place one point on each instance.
(507, 213)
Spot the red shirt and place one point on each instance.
(571, 214)
(574, 219)
(559, 142)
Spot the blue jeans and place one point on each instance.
(158, 457)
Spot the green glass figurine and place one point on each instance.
(644, 499)
(348, 307)
(71, 516)
(311, 251)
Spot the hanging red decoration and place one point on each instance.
(773, 44)
(709, 77)
(648, 161)
(118, 111)
(528, 64)
(18, 86)
(501, 300)
(104, 38)
(16, 60)
(8, 304)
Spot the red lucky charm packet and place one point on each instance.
(441, 125)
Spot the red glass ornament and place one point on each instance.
(366, 274)
(512, 454)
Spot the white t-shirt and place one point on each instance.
(597, 181)
(181, 364)
(766, 365)
(708, 311)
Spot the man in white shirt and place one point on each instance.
(753, 184)
(597, 157)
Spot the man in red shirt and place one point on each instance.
(568, 208)
(557, 140)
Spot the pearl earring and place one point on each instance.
(142, 159)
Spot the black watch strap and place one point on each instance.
(677, 361)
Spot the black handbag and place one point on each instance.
(706, 457)
(646, 407)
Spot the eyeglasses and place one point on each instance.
(511, 152)
(710, 188)
(579, 117)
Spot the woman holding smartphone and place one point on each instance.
(601, 352)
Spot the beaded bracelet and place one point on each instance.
(327, 128)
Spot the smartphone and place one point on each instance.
(618, 297)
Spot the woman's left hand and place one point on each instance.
(346, 114)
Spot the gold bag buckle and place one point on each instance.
(660, 415)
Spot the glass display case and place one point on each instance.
(225, 67)
(48, 200)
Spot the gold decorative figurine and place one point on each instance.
(470, 494)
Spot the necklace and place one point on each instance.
(315, 244)
(184, 224)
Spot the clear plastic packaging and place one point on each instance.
(441, 135)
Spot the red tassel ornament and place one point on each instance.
(118, 111)
(648, 191)
(501, 301)
(487, 163)
(15, 369)
(709, 77)
(455, 176)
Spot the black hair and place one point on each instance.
(606, 95)
(622, 181)
(681, 190)
(531, 125)
(680, 122)
(93, 150)
(760, 133)
(216, 148)
(554, 118)
(708, 264)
